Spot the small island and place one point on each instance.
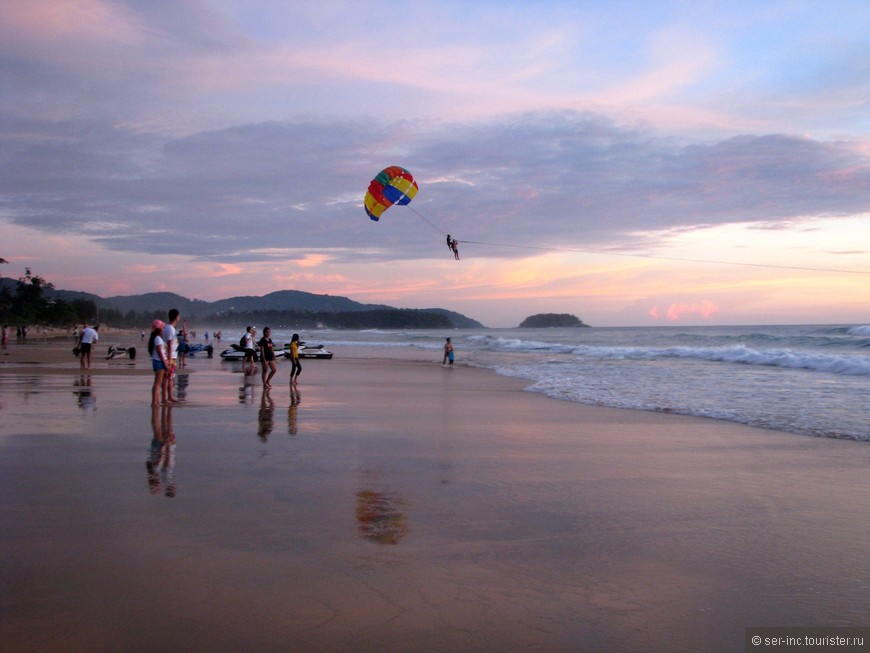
(547, 320)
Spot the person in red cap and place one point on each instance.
(159, 361)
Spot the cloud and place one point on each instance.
(546, 179)
(675, 312)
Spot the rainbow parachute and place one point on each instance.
(394, 185)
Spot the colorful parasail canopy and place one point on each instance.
(394, 185)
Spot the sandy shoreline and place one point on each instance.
(51, 353)
(397, 505)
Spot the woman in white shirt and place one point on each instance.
(159, 361)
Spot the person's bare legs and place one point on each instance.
(167, 383)
(157, 387)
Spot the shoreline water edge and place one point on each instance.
(804, 379)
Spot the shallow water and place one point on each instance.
(811, 380)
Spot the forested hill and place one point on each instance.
(293, 304)
(282, 300)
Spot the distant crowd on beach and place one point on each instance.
(20, 335)
(264, 349)
(166, 347)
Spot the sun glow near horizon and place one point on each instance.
(596, 287)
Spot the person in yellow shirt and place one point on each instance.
(296, 368)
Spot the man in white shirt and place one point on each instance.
(86, 341)
(171, 347)
(248, 364)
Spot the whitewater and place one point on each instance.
(808, 380)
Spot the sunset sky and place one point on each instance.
(631, 163)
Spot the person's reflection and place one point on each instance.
(84, 393)
(161, 461)
(181, 383)
(246, 392)
(266, 416)
(380, 516)
(295, 399)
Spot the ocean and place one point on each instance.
(808, 380)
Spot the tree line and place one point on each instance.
(385, 318)
(29, 304)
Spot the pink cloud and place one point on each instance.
(70, 28)
(675, 312)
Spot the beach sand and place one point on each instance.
(395, 505)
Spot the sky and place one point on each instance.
(630, 163)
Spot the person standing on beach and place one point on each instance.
(296, 366)
(182, 349)
(170, 341)
(267, 357)
(87, 340)
(250, 352)
(4, 337)
(448, 353)
(159, 361)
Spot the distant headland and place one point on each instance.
(547, 320)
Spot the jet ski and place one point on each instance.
(121, 352)
(192, 350)
(236, 353)
(311, 351)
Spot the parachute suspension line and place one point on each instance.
(667, 258)
(393, 185)
(426, 220)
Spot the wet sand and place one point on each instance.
(397, 505)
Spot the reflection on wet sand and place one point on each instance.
(161, 461)
(266, 416)
(181, 382)
(26, 385)
(380, 517)
(246, 392)
(84, 393)
(295, 399)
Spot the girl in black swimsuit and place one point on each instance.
(267, 357)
